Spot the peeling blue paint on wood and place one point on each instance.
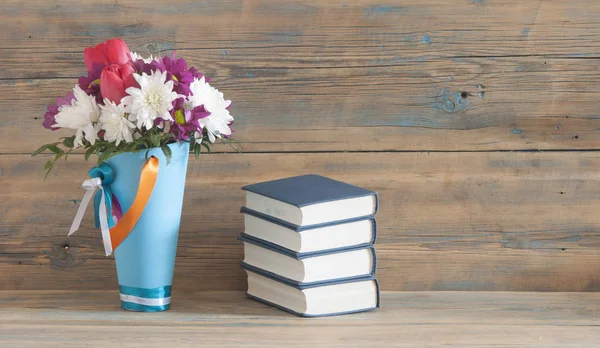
(426, 40)
(516, 131)
(398, 59)
(158, 47)
(451, 101)
(526, 31)
(582, 55)
(104, 30)
(515, 241)
(380, 10)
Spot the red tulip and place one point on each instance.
(113, 51)
(115, 79)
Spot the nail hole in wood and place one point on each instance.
(576, 137)
(464, 95)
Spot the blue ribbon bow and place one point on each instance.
(105, 173)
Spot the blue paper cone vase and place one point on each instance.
(146, 258)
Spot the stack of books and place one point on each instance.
(308, 245)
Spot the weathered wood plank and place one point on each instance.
(448, 221)
(322, 32)
(339, 76)
(487, 105)
(227, 319)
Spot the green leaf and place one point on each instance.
(155, 140)
(55, 149)
(167, 151)
(69, 142)
(197, 149)
(89, 152)
(106, 154)
(206, 146)
(48, 168)
(40, 150)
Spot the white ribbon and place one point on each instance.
(91, 185)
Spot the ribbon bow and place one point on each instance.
(91, 185)
(102, 177)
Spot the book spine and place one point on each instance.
(376, 203)
(374, 230)
(374, 269)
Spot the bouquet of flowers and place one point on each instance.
(127, 103)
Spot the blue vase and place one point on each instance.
(146, 258)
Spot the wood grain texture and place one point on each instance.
(333, 75)
(228, 319)
(311, 80)
(523, 221)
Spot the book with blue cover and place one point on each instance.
(308, 245)
(303, 269)
(309, 200)
(315, 300)
(310, 238)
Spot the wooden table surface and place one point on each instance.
(228, 319)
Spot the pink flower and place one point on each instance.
(113, 51)
(115, 79)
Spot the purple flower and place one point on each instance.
(177, 72)
(185, 121)
(53, 109)
(91, 83)
(142, 67)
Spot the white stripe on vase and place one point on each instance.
(146, 301)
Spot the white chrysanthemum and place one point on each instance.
(81, 116)
(153, 99)
(135, 56)
(112, 119)
(217, 123)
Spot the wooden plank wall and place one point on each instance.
(476, 120)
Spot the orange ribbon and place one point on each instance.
(147, 181)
